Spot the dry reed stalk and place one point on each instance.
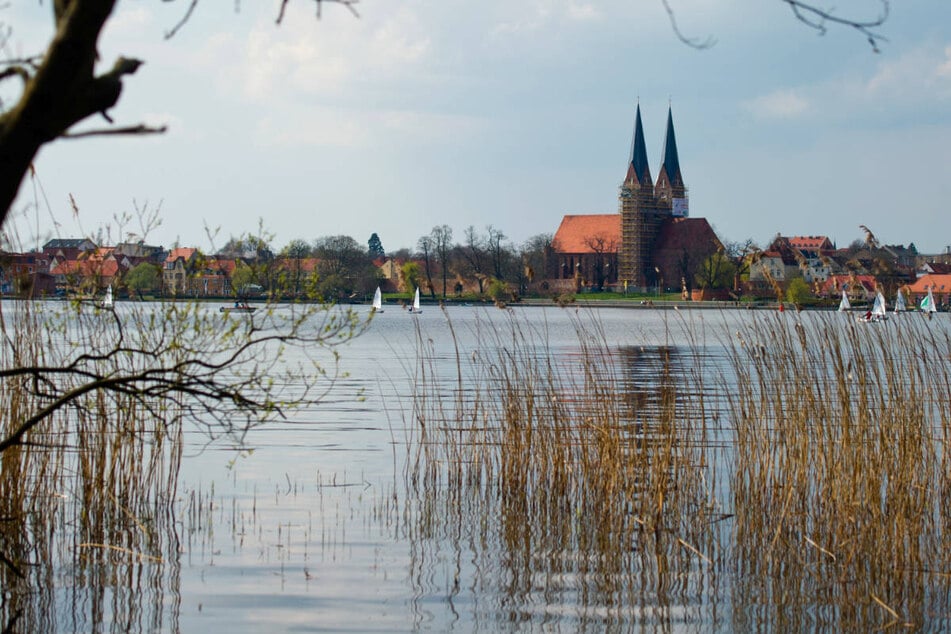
(574, 477)
(103, 473)
(839, 438)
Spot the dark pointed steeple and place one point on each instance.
(669, 178)
(638, 170)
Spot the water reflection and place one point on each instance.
(498, 476)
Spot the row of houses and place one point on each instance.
(78, 266)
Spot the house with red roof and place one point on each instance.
(859, 288)
(938, 284)
(179, 265)
(89, 273)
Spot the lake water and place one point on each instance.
(312, 532)
(314, 525)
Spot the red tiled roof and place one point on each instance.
(692, 234)
(577, 234)
(105, 268)
(186, 253)
(835, 283)
(810, 243)
(937, 283)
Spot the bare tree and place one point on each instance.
(171, 359)
(441, 239)
(60, 88)
(475, 255)
(426, 250)
(497, 251)
(605, 254)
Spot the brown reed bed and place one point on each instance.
(840, 473)
(566, 484)
(86, 500)
(571, 484)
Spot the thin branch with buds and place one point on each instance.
(818, 19)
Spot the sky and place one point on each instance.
(509, 113)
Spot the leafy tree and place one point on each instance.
(375, 247)
(717, 271)
(798, 292)
(411, 274)
(143, 277)
(242, 279)
(345, 267)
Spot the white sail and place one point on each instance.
(844, 305)
(879, 308)
(378, 300)
(415, 308)
(107, 298)
(900, 302)
(927, 304)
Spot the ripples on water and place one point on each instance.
(318, 524)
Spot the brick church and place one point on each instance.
(651, 242)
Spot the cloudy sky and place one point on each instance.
(508, 113)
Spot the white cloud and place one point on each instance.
(780, 104)
(944, 67)
(310, 58)
(921, 73)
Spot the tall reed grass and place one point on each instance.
(791, 474)
(569, 477)
(841, 470)
(86, 499)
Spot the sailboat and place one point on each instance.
(415, 307)
(844, 305)
(900, 302)
(106, 301)
(878, 310)
(927, 304)
(377, 305)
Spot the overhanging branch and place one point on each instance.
(817, 18)
(129, 130)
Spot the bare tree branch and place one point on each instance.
(817, 19)
(129, 130)
(689, 41)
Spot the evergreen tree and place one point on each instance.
(375, 247)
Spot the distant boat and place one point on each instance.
(239, 307)
(415, 307)
(106, 301)
(927, 304)
(900, 302)
(878, 312)
(377, 306)
(844, 305)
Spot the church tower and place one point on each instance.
(670, 182)
(642, 210)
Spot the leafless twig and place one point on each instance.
(818, 19)
(135, 129)
(689, 41)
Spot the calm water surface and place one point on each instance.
(305, 534)
(313, 526)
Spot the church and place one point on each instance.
(651, 243)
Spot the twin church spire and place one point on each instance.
(670, 182)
